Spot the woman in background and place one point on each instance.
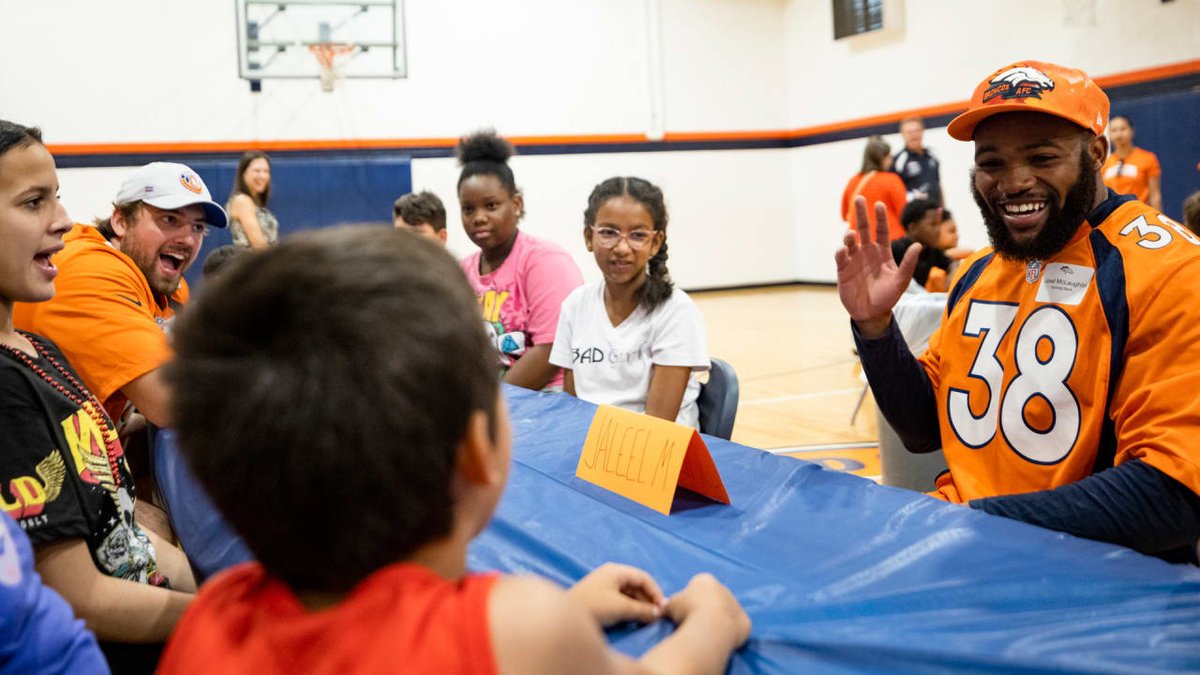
(632, 340)
(877, 183)
(1130, 170)
(250, 223)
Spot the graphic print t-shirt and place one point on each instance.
(521, 299)
(613, 364)
(56, 480)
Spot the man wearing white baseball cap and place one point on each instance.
(121, 281)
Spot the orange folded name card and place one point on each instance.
(645, 459)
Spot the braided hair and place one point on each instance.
(658, 286)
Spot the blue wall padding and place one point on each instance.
(308, 192)
(838, 574)
(1169, 126)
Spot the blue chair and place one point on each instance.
(719, 400)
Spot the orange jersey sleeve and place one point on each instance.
(1154, 408)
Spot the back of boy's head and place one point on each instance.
(220, 257)
(421, 208)
(320, 396)
(1191, 212)
(915, 210)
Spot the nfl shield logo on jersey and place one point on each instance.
(1033, 270)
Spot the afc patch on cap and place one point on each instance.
(1020, 82)
(1038, 87)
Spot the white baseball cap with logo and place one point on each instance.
(168, 185)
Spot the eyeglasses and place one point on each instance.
(609, 236)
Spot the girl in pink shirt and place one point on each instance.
(519, 280)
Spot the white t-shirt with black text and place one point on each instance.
(612, 364)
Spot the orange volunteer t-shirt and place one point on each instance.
(103, 316)
(880, 186)
(1131, 176)
(1047, 373)
(403, 618)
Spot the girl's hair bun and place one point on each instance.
(483, 146)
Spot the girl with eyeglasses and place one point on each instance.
(632, 340)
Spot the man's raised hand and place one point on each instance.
(869, 281)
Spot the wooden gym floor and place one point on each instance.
(800, 381)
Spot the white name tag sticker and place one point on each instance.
(1065, 284)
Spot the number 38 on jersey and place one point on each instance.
(1036, 413)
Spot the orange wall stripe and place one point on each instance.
(1150, 74)
(188, 147)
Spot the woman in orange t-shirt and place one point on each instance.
(877, 183)
(1130, 170)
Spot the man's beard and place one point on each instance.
(1061, 222)
(148, 264)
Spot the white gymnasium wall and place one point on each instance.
(730, 213)
(934, 52)
(160, 71)
(165, 70)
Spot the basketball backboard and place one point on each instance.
(277, 38)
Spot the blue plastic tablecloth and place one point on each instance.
(838, 574)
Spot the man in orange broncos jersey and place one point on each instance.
(1061, 383)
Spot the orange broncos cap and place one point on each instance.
(1035, 86)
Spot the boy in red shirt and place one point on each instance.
(371, 445)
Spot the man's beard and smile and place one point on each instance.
(163, 269)
(1061, 221)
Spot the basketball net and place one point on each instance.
(330, 65)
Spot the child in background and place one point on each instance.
(519, 280)
(948, 238)
(220, 257)
(373, 446)
(631, 340)
(1191, 212)
(423, 213)
(922, 220)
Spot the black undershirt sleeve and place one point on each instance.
(901, 388)
(1133, 505)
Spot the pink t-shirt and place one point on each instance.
(520, 300)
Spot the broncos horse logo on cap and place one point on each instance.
(1019, 82)
(191, 181)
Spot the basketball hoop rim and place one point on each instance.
(326, 52)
